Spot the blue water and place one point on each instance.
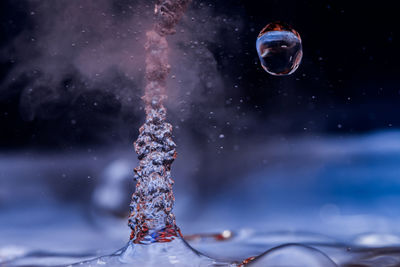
(330, 190)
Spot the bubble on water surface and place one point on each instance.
(279, 49)
(292, 255)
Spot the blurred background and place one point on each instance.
(318, 150)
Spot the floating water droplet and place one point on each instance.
(279, 49)
(292, 255)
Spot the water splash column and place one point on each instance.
(151, 218)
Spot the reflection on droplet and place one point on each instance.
(279, 49)
(292, 255)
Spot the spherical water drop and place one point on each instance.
(279, 49)
(292, 255)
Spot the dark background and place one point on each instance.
(316, 151)
(347, 83)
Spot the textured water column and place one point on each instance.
(151, 218)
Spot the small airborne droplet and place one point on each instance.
(279, 49)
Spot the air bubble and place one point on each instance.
(292, 255)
